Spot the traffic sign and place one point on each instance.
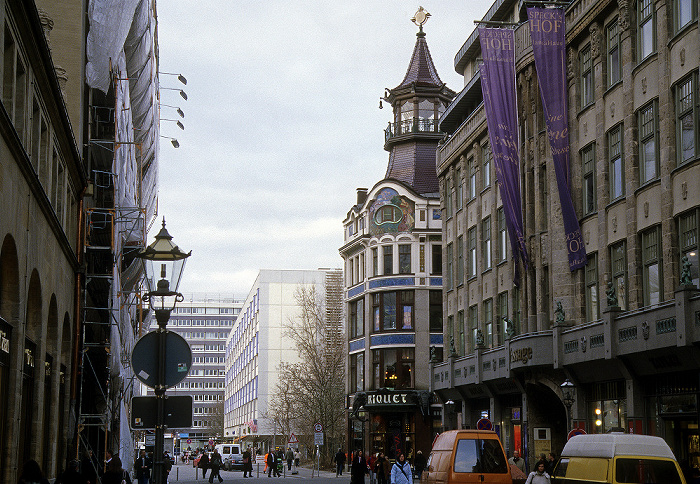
(318, 427)
(484, 424)
(178, 412)
(178, 359)
(318, 438)
(293, 439)
(575, 432)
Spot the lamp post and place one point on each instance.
(163, 263)
(567, 391)
(449, 412)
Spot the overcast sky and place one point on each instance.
(282, 123)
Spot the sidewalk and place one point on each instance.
(182, 472)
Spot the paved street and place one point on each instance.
(186, 474)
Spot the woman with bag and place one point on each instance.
(115, 474)
(401, 472)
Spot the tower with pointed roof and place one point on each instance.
(412, 138)
(394, 271)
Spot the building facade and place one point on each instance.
(393, 255)
(205, 321)
(42, 176)
(256, 347)
(624, 329)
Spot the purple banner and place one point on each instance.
(498, 87)
(549, 48)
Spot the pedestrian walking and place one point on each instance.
(290, 458)
(247, 464)
(271, 463)
(115, 473)
(358, 468)
(339, 460)
(551, 463)
(401, 471)
(539, 475)
(382, 468)
(142, 468)
(517, 461)
(203, 464)
(72, 475)
(370, 463)
(89, 467)
(297, 457)
(31, 473)
(419, 464)
(215, 464)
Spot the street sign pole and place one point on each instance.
(162, 316)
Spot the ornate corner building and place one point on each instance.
(393, 259)
(625, 328)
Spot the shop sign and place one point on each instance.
(388, 399)
(522, 355)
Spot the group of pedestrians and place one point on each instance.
(542, 471)
(380, 467)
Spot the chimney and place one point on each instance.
(361, 195)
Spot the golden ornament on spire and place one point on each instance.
(420, 17)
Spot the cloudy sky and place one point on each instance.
(282, 123)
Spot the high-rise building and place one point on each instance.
(624, 328)
(257, 346)
(394, 273)
(205, 321)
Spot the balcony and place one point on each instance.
(395, 131)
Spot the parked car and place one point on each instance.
(231, 456)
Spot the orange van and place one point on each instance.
(467, 456)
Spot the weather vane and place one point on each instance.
(420, 18)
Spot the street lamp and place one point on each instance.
(449, 411)
(568, 390)
(163, 263)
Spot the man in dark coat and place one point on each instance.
(271, 463)
(142, 468)
(203, 464)
(339, 462)
(214, 464)
(358, 468)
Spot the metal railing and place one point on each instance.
(414, 125)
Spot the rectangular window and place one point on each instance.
(404, 258)
(651, 259)
(460, 328)
(435, 301)
(617, 182)
(516, 308)
(502, 235)
(486, 176)
(394, 368)
(437, 259)
(648, 157)
(460, 260)
(613, 44)
(592, 308)
(376, 311)
(471, 248)
(473, 326)
(586, 63)
(488, 323)
(375, 262)
(388, 311)
(458, 188)
(688, 234)
(357, 372)
(619, 272)
(357, 318)
(502, 308)
(686, 119)
(405, 317)
(685, 11)
(448, 199)
(647, 42)
(486, 242)
(388, 259)
(588, 173)
(449, 275)
(472, 177)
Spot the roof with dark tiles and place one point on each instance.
(413, 162)
(421, 70)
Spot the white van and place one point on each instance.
(231, 456)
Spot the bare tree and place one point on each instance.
(316, 381)
(281, 408)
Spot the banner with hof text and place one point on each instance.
(549, 48)
(498, 88)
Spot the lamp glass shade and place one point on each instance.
(163, 264)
